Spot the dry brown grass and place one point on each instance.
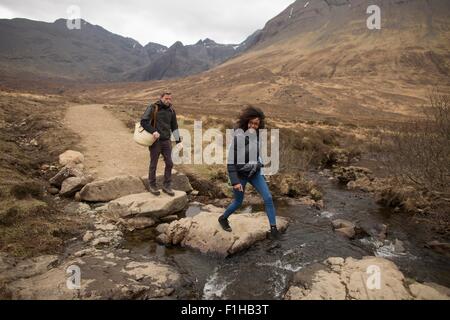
(30, 221)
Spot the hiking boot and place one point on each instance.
(169, 191)
(224, 224)
(274, 234)
(154, 190)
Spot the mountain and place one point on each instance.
(318, 59)
(39, 49)
(180, 60)
(52, 50)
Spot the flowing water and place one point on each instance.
(264, 271)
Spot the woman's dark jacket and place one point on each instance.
(242, 162)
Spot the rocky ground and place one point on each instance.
(107, 206)
(351, 279)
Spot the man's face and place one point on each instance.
(167, 99)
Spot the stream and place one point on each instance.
(264, 271)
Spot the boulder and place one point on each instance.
(138, 223)
(179, 182)
(203, 232)
(344, 228)
(147, 205)
(72, 185)
(105, 275)
(66, 172)
(169, 219)
(346, 232)
(105, 190)
(429, 291)
(353, 279)
(71, 157)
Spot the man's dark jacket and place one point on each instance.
(166, 121)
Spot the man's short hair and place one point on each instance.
(165, 93)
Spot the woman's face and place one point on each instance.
(254, 123)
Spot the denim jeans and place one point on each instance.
(260, 184)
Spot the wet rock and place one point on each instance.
(180, 182)
(104, 275)
(344, 228)
(105, 190)
(380, 231)
(71, 157)
(352, 279)
(305, 201)
(72, 185)
(203, 232)
(138, 223)
(346, 232)
(147, 204)
(399, 246)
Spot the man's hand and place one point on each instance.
(238, 187)
(156, 135)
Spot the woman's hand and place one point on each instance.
(238, 187)
(156, 135)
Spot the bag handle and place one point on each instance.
(154, 115)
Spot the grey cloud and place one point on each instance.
(161, 21)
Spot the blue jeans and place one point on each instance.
(260, 184)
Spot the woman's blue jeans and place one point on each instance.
(260, 184)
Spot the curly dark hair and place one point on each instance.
(248, 114)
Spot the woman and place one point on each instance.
(244, 165)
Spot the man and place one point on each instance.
(166, 124)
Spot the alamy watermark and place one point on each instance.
(73, 282)
(373, 281)
(73, 17)
(374, 20)
(211, 147)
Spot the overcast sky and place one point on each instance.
(161, 21)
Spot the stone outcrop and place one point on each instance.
(352, 279)
(203, 232)
(104, 275)
(105, 190)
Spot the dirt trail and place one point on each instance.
(107, 144)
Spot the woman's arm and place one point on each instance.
(231, 166)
